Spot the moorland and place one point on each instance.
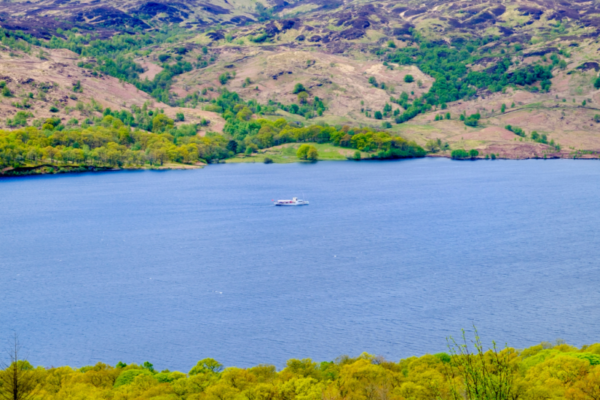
(144, 84)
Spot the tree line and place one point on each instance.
(249, 135)
(466, 371)
(110, 144)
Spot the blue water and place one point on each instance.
(390, 258)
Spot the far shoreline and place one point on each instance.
(68, 170)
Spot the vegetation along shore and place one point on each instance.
(122, 85)
(466, 371)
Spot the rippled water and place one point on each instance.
(389, 258)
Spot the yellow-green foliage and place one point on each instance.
(111, 144)
(539, 372)
(278, 132)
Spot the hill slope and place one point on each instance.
(513, 79)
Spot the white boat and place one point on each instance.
(293, 202)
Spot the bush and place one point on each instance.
(53, 109)
(378, 115)
(180, 117)
(307, 152)
(473, 119)
(312, 154)
(6, 92)
(268, 160)
(459, 154)
(224, 78)
(163, 57)
(473, 153)
(299, 88)
(127, 377)
(536, 137)
(515, 130)
(161, 123)
(302, 97)
(77, 87)
(356, 156)
(409, 78)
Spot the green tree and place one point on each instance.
(224, 78)
(409, 78)
(303, 97)
(378, 115)
(459, 154)
(207, 366)
(312, 154)
(432, 146)
(597, 83)
(503, 107)
(562, 64)
(161, 123)
(299, 88)
(244, 114)
(17, 380)
(473, 119)
(306, 151)
(473, 153)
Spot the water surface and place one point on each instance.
(390, 258)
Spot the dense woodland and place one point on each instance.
(109, 144)
(545, 371)
(113, 144)
(123, 139)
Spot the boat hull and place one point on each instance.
(292, 204)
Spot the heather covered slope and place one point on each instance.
(508, 79)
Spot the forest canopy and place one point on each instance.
(146, 138)
(545, 371)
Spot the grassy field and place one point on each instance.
(286, 153)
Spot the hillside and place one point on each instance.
(509, 79)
